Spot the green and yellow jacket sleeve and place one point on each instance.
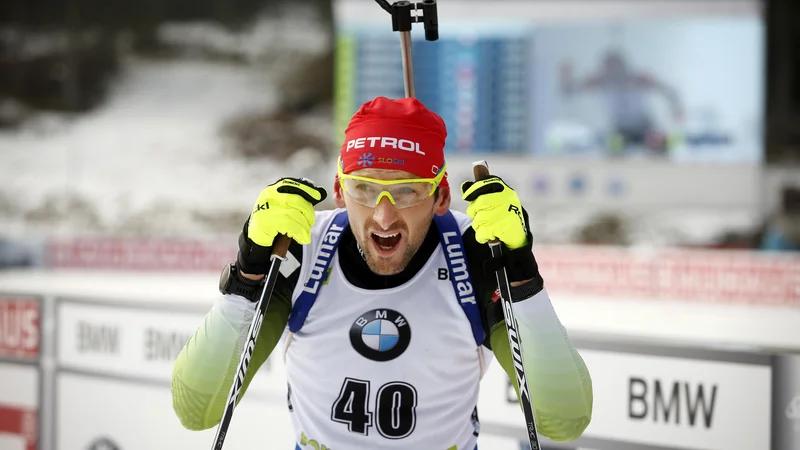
(558, 379)
(203, 372)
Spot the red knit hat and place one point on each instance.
(395, 134)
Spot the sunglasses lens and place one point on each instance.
(402, 195)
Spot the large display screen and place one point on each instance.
(677, 89)
(682, 89)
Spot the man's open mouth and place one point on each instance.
(386, 241)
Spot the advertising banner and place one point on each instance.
(115, 366)
(121, 341)
(656, 402)
(129, 342)
(102, 413)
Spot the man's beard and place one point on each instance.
(378, 265)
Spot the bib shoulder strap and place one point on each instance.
(453, 247)
(322, 261)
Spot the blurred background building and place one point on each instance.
(654, 142)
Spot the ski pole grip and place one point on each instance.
(480, 169)
(281, 246)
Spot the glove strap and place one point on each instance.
(252, 258)
(520, 264)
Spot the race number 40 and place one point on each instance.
(394, 414)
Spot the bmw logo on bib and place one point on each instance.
(380, 335)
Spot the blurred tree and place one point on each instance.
(55, 54)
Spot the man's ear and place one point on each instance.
(338, 195)
(442, 203)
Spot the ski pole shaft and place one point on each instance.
(408, 64)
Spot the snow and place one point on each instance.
(257, 42)
(152, 154)
(152, 160)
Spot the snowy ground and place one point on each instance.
(152, 154)
(152, 161)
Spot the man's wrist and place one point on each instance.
(249, 276)
(527, 289)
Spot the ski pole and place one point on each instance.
(279, 249)
(480, 170)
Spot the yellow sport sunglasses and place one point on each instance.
(401, 193)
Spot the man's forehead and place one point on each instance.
(384, 174)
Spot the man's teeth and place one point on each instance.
(385, 235)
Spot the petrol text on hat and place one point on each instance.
(390, 142)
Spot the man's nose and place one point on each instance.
(385, 214)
